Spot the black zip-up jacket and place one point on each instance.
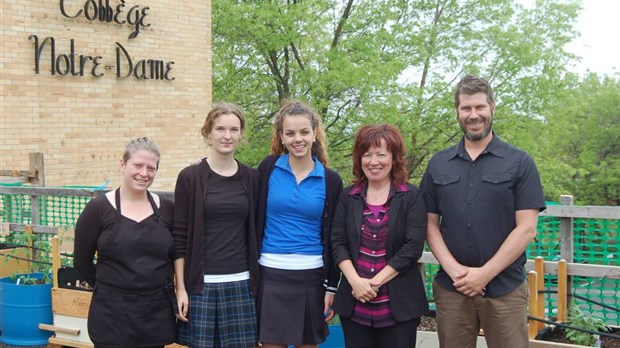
(188, 227)
(333, 187)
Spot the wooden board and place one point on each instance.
(69, 343)
(69, 302)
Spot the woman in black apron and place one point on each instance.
(129, 228)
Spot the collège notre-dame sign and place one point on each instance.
(76, 64)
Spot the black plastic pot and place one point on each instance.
(68, 278)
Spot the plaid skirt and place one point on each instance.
(223, 316)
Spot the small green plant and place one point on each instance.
(584, 321)
(38, 258)
(28, 279)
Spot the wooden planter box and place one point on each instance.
(70, 302)
(70, 308)
(429, 339)
(547, 332)
(547, 344)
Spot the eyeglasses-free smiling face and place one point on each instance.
(298, 135)
(377, 164)
(475, 116)
(225, 134)
(139, 170)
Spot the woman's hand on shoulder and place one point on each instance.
(197, 162)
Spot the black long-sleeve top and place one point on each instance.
(188, 228)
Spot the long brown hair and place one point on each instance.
(298, 108)
(371, 135)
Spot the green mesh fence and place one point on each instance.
(15, 209)
(596, 241)
(60, 211)
(547, 241)
(601, 290)
(430, 271)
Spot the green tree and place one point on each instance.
(583, 133)
(393, 61)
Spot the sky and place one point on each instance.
(599, 25)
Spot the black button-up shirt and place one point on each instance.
(477, 201)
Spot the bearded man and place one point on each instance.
(482, 199)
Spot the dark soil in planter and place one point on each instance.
(559, 336)
(31, 281)
(427, 323)
(26, 279)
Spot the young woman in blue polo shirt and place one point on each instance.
(298, 195)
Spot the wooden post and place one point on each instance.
(31, 252)
(35, 211)
(562, 290)
(566, 231)
(55, 259)
(37, 166)
(567, 238)
(540, 270)
(532, 327)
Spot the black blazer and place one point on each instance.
(405, 243)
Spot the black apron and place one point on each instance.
(133, 298)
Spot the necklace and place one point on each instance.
(377, 195)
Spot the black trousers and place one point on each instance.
(401, 335)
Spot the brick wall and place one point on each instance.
(82, 123)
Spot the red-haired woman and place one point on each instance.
(378, 235)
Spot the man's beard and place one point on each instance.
(478, 136)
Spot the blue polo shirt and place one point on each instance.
(294, 211)
(477, 201)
